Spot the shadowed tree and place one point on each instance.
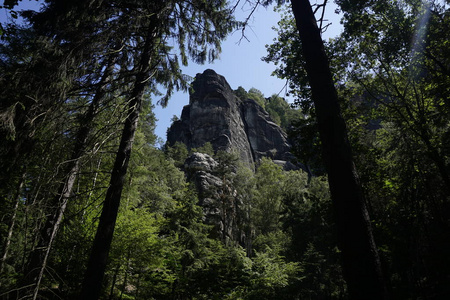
(361, 263)
(203, 24)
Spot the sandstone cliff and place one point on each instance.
(216, 115)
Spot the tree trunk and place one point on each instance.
(92, 283)
(113, 283)
(12, 223)
(125, 280)
(38, 257)
(361, 263)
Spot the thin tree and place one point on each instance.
(197, 25)
(92, 283)
(39, 256)
(362, 269)
(7, 243)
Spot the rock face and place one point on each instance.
(216, 115)
(266, 138)
(222, 207)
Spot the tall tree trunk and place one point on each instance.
(92, 283)
(38, 258)
(361, 263)
(125, 280)
(12, 223)
(114, 280)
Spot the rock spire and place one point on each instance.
(216, 115)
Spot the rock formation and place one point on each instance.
(220, 202)
(216, 115)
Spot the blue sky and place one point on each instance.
(240, 61)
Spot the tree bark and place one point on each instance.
(12, 223)
(92, 283)
(37, 261)
(361, 264)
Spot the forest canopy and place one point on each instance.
(92, 209)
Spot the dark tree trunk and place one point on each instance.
(7, 243)
(361, 263)
(38, 257)
(92, 283)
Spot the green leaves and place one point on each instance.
(270, 273)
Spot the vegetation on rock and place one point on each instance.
(79, 165)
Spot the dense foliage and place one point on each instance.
(391, 67)
(78, 77)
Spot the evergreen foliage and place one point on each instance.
(395, 114)
(79, 70)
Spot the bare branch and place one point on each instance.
(247, 19)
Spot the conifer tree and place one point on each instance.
(362, 267)
(158, 21)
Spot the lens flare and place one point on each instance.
(419, 40)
